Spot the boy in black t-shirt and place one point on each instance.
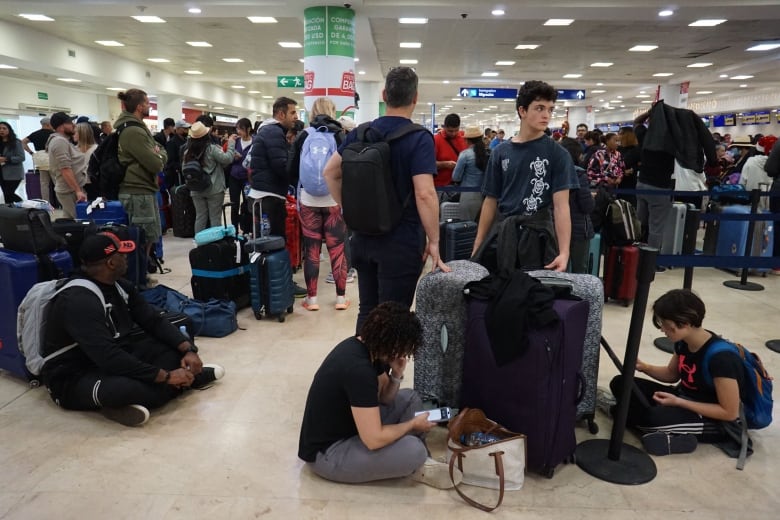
(674, 419)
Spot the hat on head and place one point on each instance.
(472, 132)
(181, 123)
(82, 119)
(766, 143)
(102, 245)
(60, 118)
(742, 141)
(198, 130)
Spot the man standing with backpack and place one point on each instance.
(390, 259)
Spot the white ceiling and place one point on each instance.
(461, 40)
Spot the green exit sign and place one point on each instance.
(43, 95)
(289, 81)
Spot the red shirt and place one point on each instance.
(445, 152)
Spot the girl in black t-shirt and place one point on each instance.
(674, 419)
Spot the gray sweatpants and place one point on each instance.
(653, 210)
(350, 461)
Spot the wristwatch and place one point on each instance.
(192, 348)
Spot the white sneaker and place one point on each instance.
(437, 474)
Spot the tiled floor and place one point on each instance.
(230, 451)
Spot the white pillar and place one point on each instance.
(370, 96)
(168, 106)
(579, 116)
(675, 95)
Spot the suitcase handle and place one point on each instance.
(581, 389)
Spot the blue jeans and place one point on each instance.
(388, 270)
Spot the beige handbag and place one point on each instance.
(496, 465)
(41, 160)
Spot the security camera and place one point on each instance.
(464, 15)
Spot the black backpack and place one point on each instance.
(195, 177)
(369, 200)
(104, 168)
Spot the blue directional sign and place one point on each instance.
(574, 94)
(487, 93)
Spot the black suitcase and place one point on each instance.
(73, 231)
(27, 230)
(137, 261)
(456, 239)
(182, 212)
(712, 229)
(220, 270)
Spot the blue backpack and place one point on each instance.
(315, 152)
(758, 391)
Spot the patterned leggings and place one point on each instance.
(317, 223)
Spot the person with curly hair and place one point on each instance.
(359, 425)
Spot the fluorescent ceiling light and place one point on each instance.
(362, 72)
(237, 86)
(290, 45)
(4, 66)
(744, 85)
(410, 45)
(666, 12)
(219, 108)
(37, 17)
(69, 80)
(158, 60)
(646, 101)
(602, 64)
(456, 99)
(193, 72)
(262, 19)
(643, 48)
(417, 21)
(201, 105)
(572, 76)
(117, 89)
(299, 92)
(194, 10)
(498, 12)
(559, 21)
(232, 60)
(597, 91)
(663, 74)
(489, 74)
(526, 47)
(704, 92)
(505, 63)
(642, 96)
(268, 97)
(615, 100)
(356, 60)
(699, 65)
(705, 23)
(256, 71)
(407, 62)
(764, 47)
(253, 92)
(110, 43)
(199, 44)
(723, 76)
(446, 82)
(148, 19)
(742, 76)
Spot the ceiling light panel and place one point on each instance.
(193, 72)
(489, 74)
(199, 44)
(37, 17)
(572, 76)
(148, 19)
(256, 72)
(262, 19)
(561, 22)
(643, 48)
(505, 63)
(764, 47)
(232, 60)
(526, 47)
(407, 62)
(706, 23)
(158, 60)
(413, 21)
(699, 65)
(109, 43)
(663, 74)
(7, 67)
(602, 64)
(290, 45)
(410, 45)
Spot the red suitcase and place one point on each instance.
(620, 274)
(293, 232)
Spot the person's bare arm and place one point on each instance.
(562, 230)
(726, 409)
(428, 209)
(486, 218)
(664, 373)
(332, 174)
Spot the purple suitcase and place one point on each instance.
(535, 394)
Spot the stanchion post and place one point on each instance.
(743, 283)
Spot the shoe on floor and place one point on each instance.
(351, 275)
(660, 269)
(209, 374)
(605, 401)
(342, 303)
(662, 443)
(329, 278)
(130, 415)
(299, 291)
(310, 303)
(436, 474)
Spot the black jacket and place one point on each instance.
(681, 133)
(269, 159)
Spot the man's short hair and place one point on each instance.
(452, 121)
(132, 98)
(535, 90)
(391, 331)
(400, 87)
(168, 122)
(488, 130)
(582, 125)
(206, 120)
(281, 105)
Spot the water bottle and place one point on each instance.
(265, 226)
(183, 330)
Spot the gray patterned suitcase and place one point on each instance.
(590, 289)
(448, 210)
(441, 308)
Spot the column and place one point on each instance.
(675, 95)
(370, 99)
(168, 106)
(581, 115)
(329, 57)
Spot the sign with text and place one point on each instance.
(724, 120)
(289, 81)
(487, 93)
(571, 94)
(43, 95)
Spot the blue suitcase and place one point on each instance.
(18, 273)
(594, 255)
(270, 277)
(102, 212)
(732, 236)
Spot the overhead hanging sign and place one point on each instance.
(487, 93)
(571, 94)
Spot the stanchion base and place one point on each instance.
(664, 344)
(773, 345)
(747, 286)
(634, 467)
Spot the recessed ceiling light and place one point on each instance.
(572, 76)
(201, 105)
(704, 92)
(723, 76)
(764, 47)
(362, 72)
(69, 80)
(642, 96)
(663, 74)
(744, 85)
(666, 12)
(597, 91)
(410, 45)
(742, 76)
(643, 48)
(290, 45)
(498, 12)
(407, 62)
(602, 64)
(615, 100)
(599, 84)
(356, 60)
(37, 17)
(194, 10)
(416, 21)
(233, 60)
(526, 47)
(646, 101)
(699, 65)
(301, 60)
(110, 43)
(117, 89)
(262, 19)
(253, 92)
(194, 72)
(158, 60)
(601, 100)
(559, 21)
(199, 44)
(706, 23)
(268, 97)
(256, 72)
(299, 92)
(489, 74)
(446, 82)
(148, 19)
(4, 66)
(237, 86)
(219, 108)
(642, 92)
(505, 63)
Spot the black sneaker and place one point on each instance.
(208, 375)
(299, 291)
(662, 443)
(660, 269)
(130, 415)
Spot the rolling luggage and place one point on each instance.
(590, 289)
(441, 309)
(456, 239)
(535, 394)
(674, 230)
(28, 230)
(449, 210)
(620, 274)
(594, 255)
(182, 212)
(32, 185)
(102, 211)
(711, 229)
(73, 231)
(292, 233)
(18, 273)
(732, 237)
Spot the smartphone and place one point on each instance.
(438, 414)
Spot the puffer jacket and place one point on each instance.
(269, 158)
(137, 152)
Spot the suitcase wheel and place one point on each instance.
(290, 309)
(592, 426)
(258, 315)
(34, 383)
(548, 472)
(281, 318)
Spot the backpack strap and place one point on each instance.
(404, 130)
(718, 346)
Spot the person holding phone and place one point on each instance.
(359, 425)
